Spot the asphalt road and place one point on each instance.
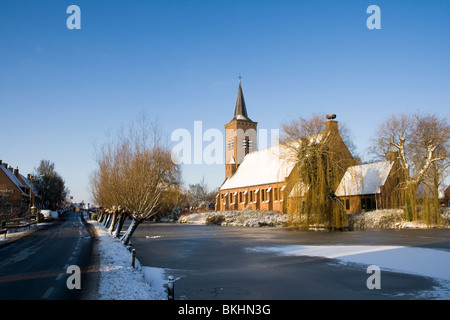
(35, 266)
(212, 262)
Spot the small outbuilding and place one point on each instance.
(371, 186)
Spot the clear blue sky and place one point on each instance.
(61, 89)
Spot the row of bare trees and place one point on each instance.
(135, 177)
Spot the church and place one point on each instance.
(266, 179)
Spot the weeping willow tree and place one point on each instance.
(314, 193)
(430, 207)
(322, 157)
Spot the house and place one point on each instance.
(445, 200)
(371, 186)
(35, 204)
(14, 195)
(262, 179)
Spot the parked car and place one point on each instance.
(49, 214)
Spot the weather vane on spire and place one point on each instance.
(240, 77)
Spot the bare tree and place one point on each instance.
(299, 128)
(198, 194)
(422, 142)
(134, 174)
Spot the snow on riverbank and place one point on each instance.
(378, 219)
(118, 280)
(245, 218)
(412, 260)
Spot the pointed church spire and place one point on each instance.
(240, 112)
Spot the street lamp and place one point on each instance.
(32, 205)
(31, 198)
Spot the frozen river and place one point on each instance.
(234, 263)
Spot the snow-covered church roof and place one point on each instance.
(364, 179)
(270, 165)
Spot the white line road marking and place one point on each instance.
(48, 293)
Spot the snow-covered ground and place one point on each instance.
(120, 281)
(412, 260)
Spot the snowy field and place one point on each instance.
(118, 280)
(412, 260)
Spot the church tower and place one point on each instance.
(240, 136)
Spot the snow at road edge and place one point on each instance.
(118, 280)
